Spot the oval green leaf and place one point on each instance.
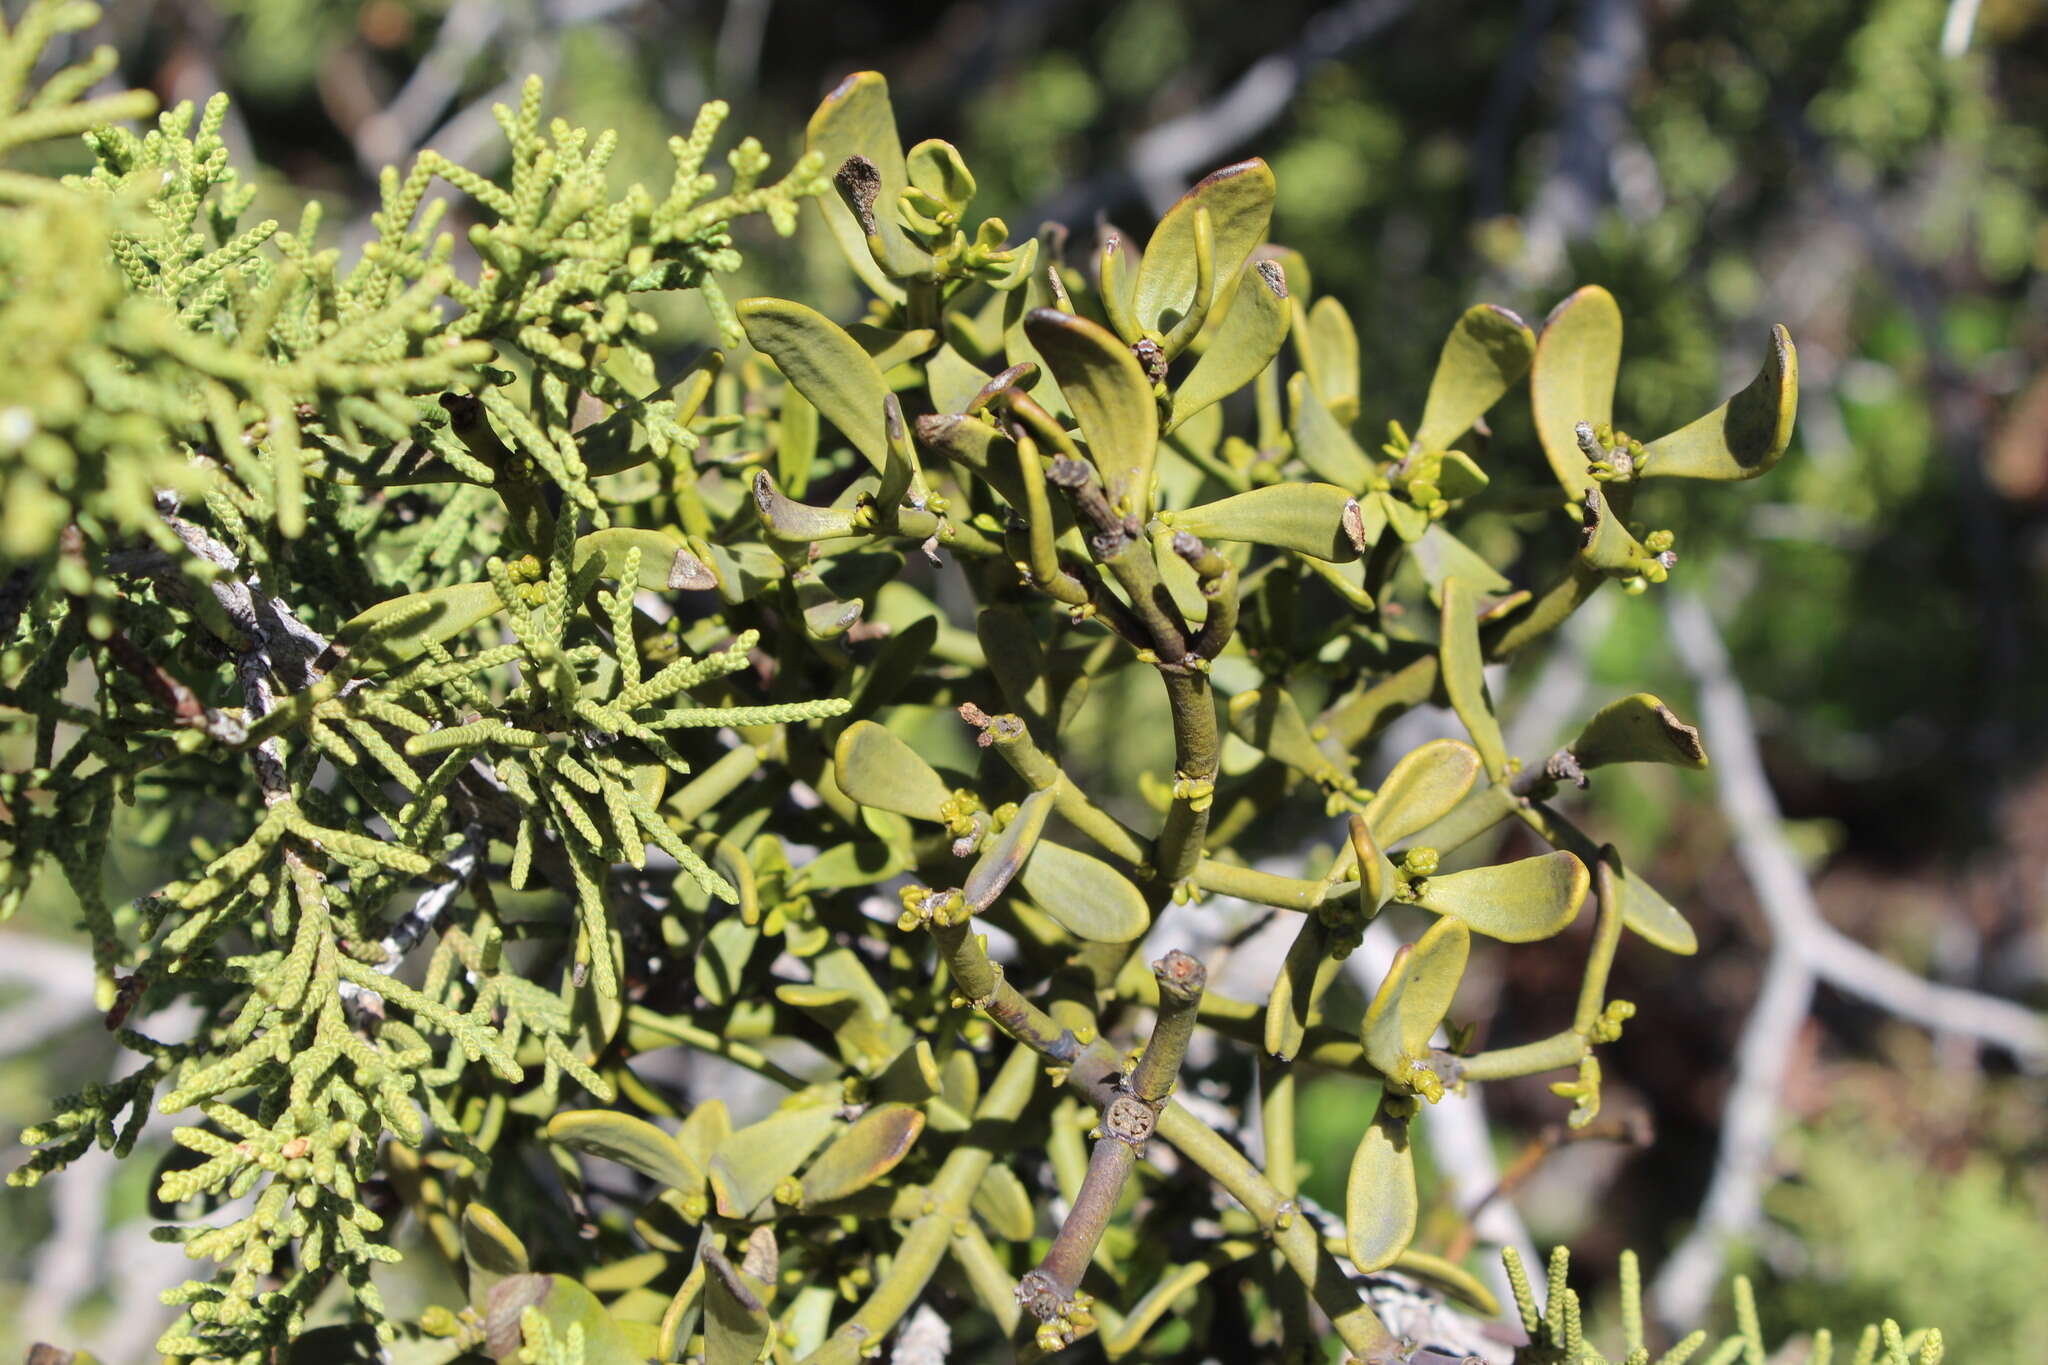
(1414, 997)
(1424, 786)
(856, 119)
(1323, 442)
(1518, 902)
(563, 1304)
(753, 1160)
(876, 768)
(1089, 898)
(864, 1153)
(1244, 343)
(1380, 1203)
(1332, 358)
(1239, 199)
(1004, 1206)
(399, 629)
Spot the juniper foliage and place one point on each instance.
(511, 702)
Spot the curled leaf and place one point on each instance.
(1745, 435)
(1638, 729)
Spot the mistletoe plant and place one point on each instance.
(506, 703)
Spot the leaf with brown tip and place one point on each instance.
(1638, 729)
(1487, 352)
(1239, 200)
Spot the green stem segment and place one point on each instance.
(1094, 1069)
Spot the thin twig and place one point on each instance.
(1782, 889)
(1805, 949)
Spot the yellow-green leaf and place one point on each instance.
(736, 1321)
(1239, 200)
(490, 1251)
(827, 366)
(1317, 519)
(630, 1141)
(1003, 1205)
(1323, 443)
(1487, 352)
(399, 629)
(1423, 787)
(753, 1160)
(1332, 364)
(1110, 396)
(1268, 719)
(1442, 556)
(563, 1304)
(1745, 435)
(876, 768)
(1089, 898)
(863, 1154)
(1643, 908)
(796, 522)
(1307, 972)
(1516, 902)
(856, 119)
(1244, 343)
(1414, 997)
(1638, 729)
(1571, 379)
(1006, 854)
(1464, 672)
(658, 554)
(1380, 1203)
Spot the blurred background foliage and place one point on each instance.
(1868, 172)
